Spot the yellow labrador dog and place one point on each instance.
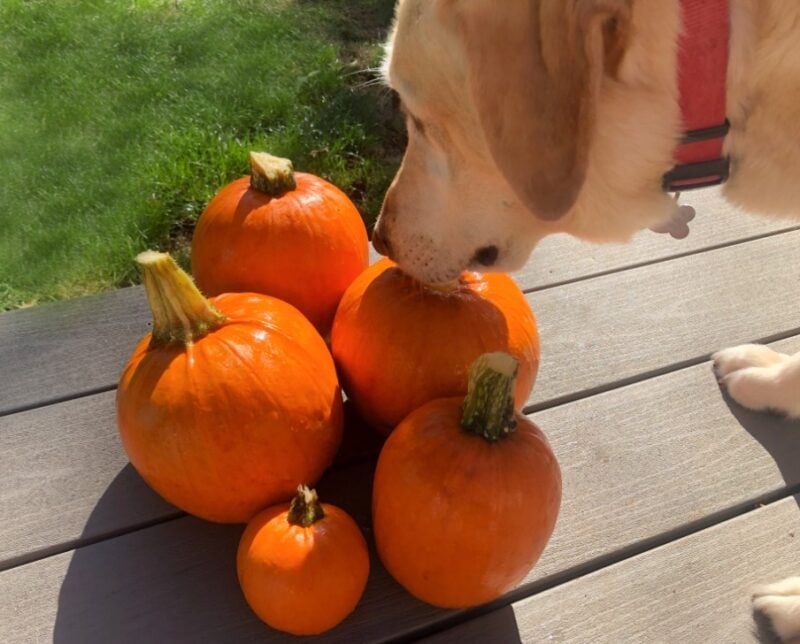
(531, 117)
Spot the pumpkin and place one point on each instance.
(230, 403)
(283, 233)
(302, 567)
(466, 493)
(399, 343)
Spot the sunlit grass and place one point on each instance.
(120, 119)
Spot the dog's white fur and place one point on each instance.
(532, 117)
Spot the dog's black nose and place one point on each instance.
(380, 243)
(486, 256)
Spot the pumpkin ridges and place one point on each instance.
(304, 247)
(455, 539)
(212, 435)
(428, 338)
(303, 580)
(231, 421)
(483, 488)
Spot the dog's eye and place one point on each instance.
(486, 256)
(413, 121)
(418, 125)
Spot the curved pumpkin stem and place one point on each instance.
(271, 175)
(489, 405)
(305, 509)
(181, 314)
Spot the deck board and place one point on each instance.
(632, 473)
(62, 489)
(659, 466)
(66, 349)
(625, 326)
(61, 465)
(562, 258)
(694, 591)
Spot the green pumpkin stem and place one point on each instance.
(271, 175)
(181, 314)
(489, 405)
(305, 509)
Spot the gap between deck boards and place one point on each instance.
(658, 260)
(557, 400)
(527, 591)
(528, 409)
(545, 583)
(55, 401)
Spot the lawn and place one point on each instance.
(120, 119)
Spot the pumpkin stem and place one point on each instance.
(305, 509)
(181, 314)
(489, 405)
(271, 175)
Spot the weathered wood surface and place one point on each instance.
(641, 465)
(562, 258)
(626, 326)
(694, 590)
(66, 349)
(654, 457)
(65, 480)
(682, 310)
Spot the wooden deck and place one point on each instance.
(676, 501)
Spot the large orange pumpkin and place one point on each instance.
(399, 343)
(466, 493)
(282, 233)
(302, 567)
(229, 404)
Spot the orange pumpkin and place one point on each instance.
(286, 234)
(302, 567)
(229, 404)
(399, 343)
(466, 493)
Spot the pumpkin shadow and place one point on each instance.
(107, 592)
(169, 577)
(147, 571)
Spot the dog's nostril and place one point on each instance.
(486, 256)
(380, 243)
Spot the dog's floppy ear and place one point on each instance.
(534, 70)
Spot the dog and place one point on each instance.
(534, 117)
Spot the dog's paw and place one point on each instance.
(780, 603)
(746, 355)
(775, 387)
(755, 387)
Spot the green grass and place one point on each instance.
(120, 119)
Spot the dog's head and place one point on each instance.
(501, 100)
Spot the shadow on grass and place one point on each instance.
(357, 20)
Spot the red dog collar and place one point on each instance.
(702, 68)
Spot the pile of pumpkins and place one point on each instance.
(231, 407)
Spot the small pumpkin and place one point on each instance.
(399, 343)
(466, 493)
(283, 233)
(302, 567)
(230, 403)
